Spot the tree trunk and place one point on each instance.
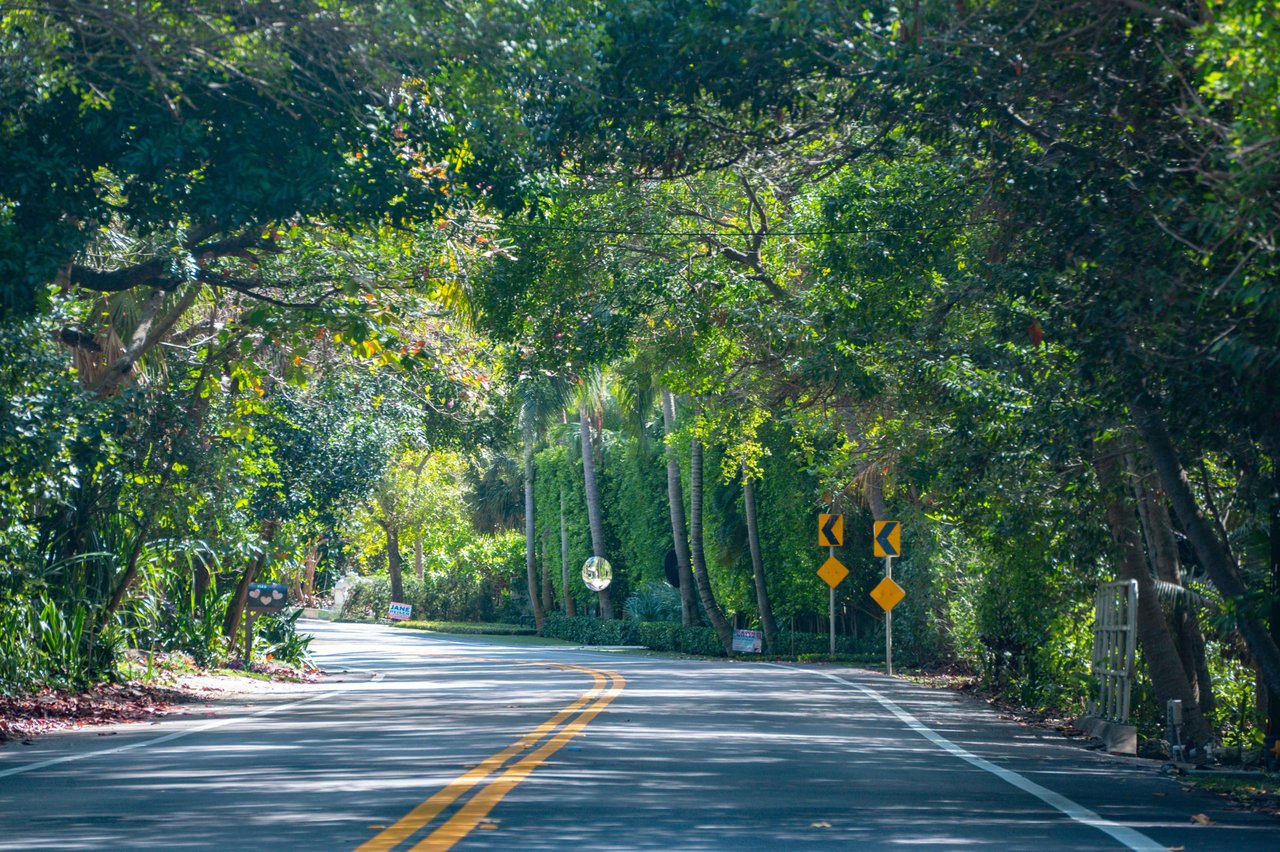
(698, 557)
(530, 544)
(570, 605)
(200, 586)
(593, 501)
(1213, 554)
(130, 571)
(235, 610)
(148, 334)
(675, 502)
(873, 485)
(309, 572)
(395, 563)
(1163, 663)
(1272, 728)
(757, 565)
(1163, 546)
(418, 570)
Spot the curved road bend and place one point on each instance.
(433, 744)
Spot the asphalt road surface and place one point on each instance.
(420, 742)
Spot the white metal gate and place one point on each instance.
(1114, 639)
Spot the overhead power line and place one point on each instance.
(627, 232)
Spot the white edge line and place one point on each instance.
(1127, 836)
(209, 726)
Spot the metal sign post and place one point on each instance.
(887, 543)
(831, 536)
(888, 622)
(832, 618)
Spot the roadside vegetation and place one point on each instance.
(450, 297)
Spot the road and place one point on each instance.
(421, 742)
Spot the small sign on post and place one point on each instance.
(748, 641)
(399, 611)
(267, 597)
(830, 530)
(887, 542)
(833, 572)
(888, 594)
(262, 597)
(888, 538)
(831, 536)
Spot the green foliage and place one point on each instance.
(480, 585)
(653, 602)
(279, 630)
(464, 628)
(698, 641)
(638, 518)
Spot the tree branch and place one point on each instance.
(148, 333)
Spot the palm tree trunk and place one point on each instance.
(1163, 663)
(698, 556)
(675, 500)
(757, 565)
(530, 543)
(593, 501)
(570, 605)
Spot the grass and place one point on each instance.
(1260, 793)
(509, 634)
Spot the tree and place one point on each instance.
(539, 401)
(675, 498)
(593, 498)
(203, 182)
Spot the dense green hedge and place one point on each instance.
(466, 629)
(702, 641)
(434, 598)
(657, 636)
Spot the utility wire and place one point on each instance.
(621, 232)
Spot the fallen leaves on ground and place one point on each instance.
(57, 709)
(968, 684)
(279, 671)
(23, 717)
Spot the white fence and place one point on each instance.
(1114, 639)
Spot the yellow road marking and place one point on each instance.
(421, 815)
(478, 807)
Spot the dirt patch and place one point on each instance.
(967, 684)
(48, 710)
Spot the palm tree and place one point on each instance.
(594, 519)
(675, 499)
(530, 536)
(698, 554)
(757, 562)
(570, 605)
(539, 401)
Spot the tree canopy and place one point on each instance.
(1005, 273)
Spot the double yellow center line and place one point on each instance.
(514, 764)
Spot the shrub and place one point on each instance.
(653, 602)
(657, 636)
(457, 627)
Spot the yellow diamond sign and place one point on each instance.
(832, 572)
(888, 594)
